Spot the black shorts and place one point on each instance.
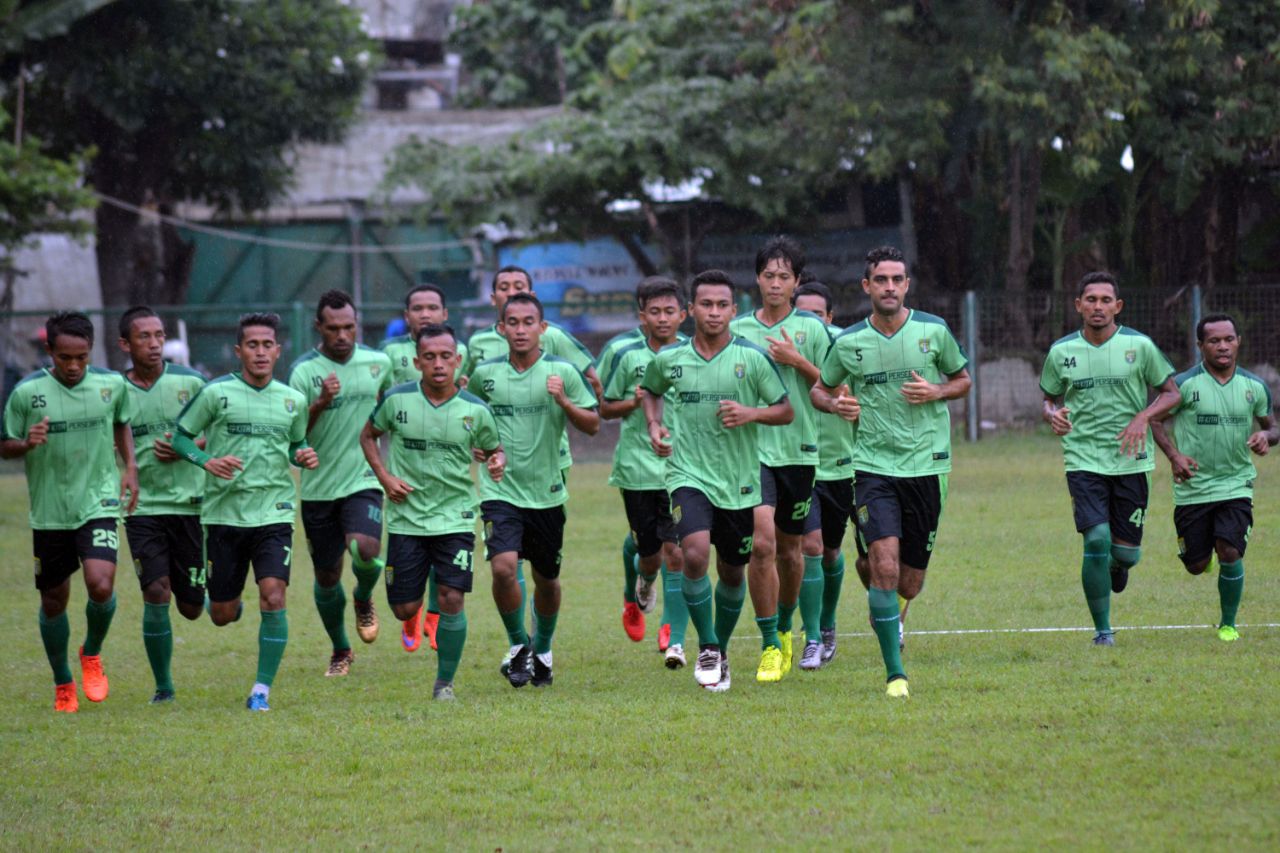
(327, 524)
(59, 553)
(536, 535)
(907, 508)
(228, 551)
(789, 490)
(1199, 526)
(832, 511)
(1119, 500)
(649, 515)
(732, 530)
(412, 559)
(169, 546)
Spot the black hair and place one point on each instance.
(879, 255)
(511, 268)
(781, 248)
(334, 300)
(813, 287)
(656, 286)
(719, 277)
(426, 288)
(1215, 318)
(73, 323)
(265, 319)
(1098, 277)
(137, 312)
(523, 297)
(434, 330)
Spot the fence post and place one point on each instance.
(298, 328)
(972, 424)
(1196, 313)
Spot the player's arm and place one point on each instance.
(15, 448)
(129, 476)
(1133, 438)
(1184, 467)
(584, 420)
(658, 434)
(329, 389)
(734, 414)
(1267, 436)
(612, 404)
(919, 390)
(783, 350)
(397, 490)
(1056, 415)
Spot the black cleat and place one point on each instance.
(161, 697)
(1119, 578)
(541, 673)
(519, 671)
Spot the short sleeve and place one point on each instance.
(951, 358)
(15, 421)
(834, 372)
(197, 414)
(485, 434)
(126, 407)
(1156, 368)
(381, 416)
(475, 385)
(572, 350)
(298, 381)
(1262, 402)
(1051, 381)
(816, 344)
(298, 429)
(655, 379)
(769, 385)
(617, 385)
(387, 376)
(578, 389)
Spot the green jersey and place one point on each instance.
(402, 351)
(635, 466)
(259, 426)
(164, 488)
(897, 438)
(611, 347)
(1213, 421)
(431, 451)
(722, 463)
(364, 376)
(795, 443)
(72, 478)
(1104, 387)
(531, 425)
(836, 438)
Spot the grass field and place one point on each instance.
(1009, 740)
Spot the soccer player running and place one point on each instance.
(797, 341)
(434, 428)
(902, 366)
(341, 381)
(164, 532)
(533, 396)
(721, 387)
(833, 497)
(1095, 385)
(67, 422)
(1209, 450)
(255, 429)
(641, 476)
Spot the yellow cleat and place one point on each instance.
(1228, 633)
(897, 689)
(784, 646)
(770, 665)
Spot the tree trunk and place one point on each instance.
(116, 231)
(1025, 167)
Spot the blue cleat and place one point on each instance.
(257, 702)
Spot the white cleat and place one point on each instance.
(722, 686)
(707, 670)
(675, 657)
(646, 593)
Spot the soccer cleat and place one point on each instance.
(366, 619)
(161, 697)
(633, 621)
(340, 663)
(707, 669)
(257, 702)
(897, 689)
(785, 647)
(520, 670)
(430, 622)
(1104, 638)
(770, 665)
(811, 657)
(95, 680)
(828, 644)
(646, 593)
(411, 632)
(505, 666)
(1119, 578)
(1228, 633)
(722, 686)
(65, 699)
(443, 692)
(664, 636)
(541, 670)
(675, 657)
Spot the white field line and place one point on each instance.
(964, 631)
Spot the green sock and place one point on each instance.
(832, 580)
(697, 599)
(785, 613)
(1095, 575)
(524, 589)
(433, 595)
(883, 604)
(1230, 588)
(55, 633)
(768, 631)
(99, 618)
(629, 555)
(674, 611)
(331, 603)
(514, 623)
(157, 638)
(811, 598)
(451, 636)
(367, 573)
(273, 636)
(544, 629)
(728, 608)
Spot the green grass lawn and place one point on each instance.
(1009, 740)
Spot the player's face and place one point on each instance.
(523, 328)
(258, 353)
(1098, 305)
(145, 344)
(70, 356)
(337, 327)
(425, 307)
(777, 282)
(507, 284)
(887, 287)
(814, 304)
(712, 309)
(437, 360)
(1221, 345)
(661, 318)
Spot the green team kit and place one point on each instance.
(165, 488)
(1214, 420)
(402, 349)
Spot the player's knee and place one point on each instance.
(224, 612)
(1226, 553)
(1198, 567)
(329, 578)
(811, 545)
(1097, 541)
(157, 592)
(1126, 556)
(366, 546)
(450, 599)
(190, 611)
(406, 609)
(99, 588)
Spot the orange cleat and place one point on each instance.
(411, 632)
(64, 698)
(95, 680)
(664, 636)
(633, 621)
(429, 622)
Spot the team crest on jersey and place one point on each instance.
(184, 396)
(799, 338)
(288, 405)
(106, 395)
(924, 345)
(739, 370)
(1130, 356)
(468, 423)
(375, 370)
(1248, 397)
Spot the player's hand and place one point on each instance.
(164, 450)
(1258, 443)
(734, 414)
(477, 455)
(658, 439)
(462, 382)
(1060, 423)
(1184, 467)
(1133, 438)
(397, 490)
(497, 465)
(329, 389)
(637, 399)
(847, 405)
(555, 387)
(920, 390)
(224, 467)
(38, 434)
(784, 351)
(129, 487)
(306, 457)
